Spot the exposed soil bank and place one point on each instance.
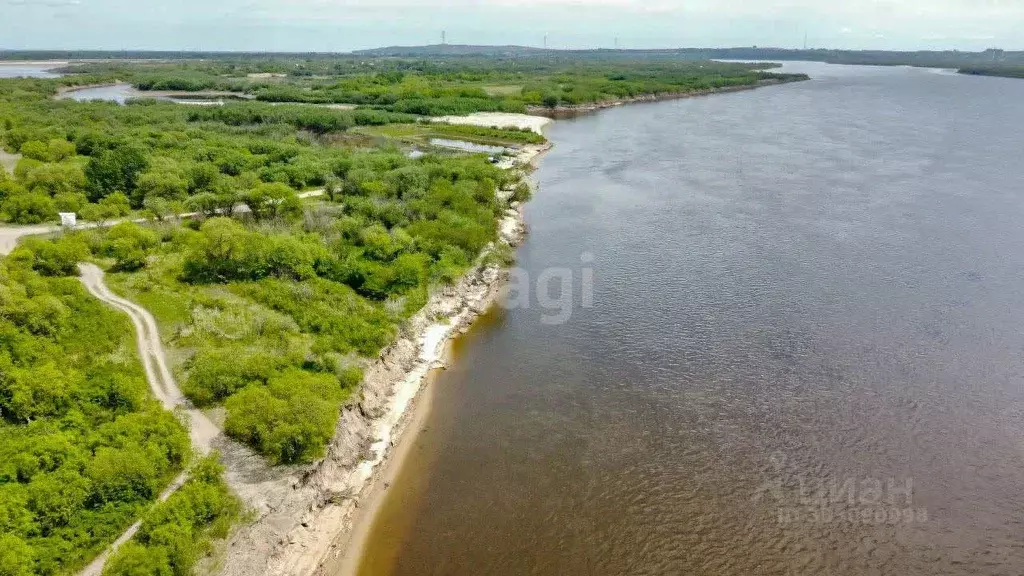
(9, 160)
(576, 110)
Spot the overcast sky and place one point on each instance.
(341, 25)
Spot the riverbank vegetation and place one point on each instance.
(1005, 71)
(84, 450)
(278, 302)
(437, 86)
(281, 306)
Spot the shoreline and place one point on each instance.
(328, 508)
(570, 111)
(348, 548)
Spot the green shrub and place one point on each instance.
(177, 532)
(129, 244)
(216, 374)
(29, 208)
(52, 257)
(289, 419)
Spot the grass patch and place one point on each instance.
(504, 90)
(421, 133)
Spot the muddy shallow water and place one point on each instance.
(804, 354)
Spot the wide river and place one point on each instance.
(805, 353)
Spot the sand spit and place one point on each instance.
(499, 120)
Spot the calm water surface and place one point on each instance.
(800, 287)
(119, 93)
(29, 69)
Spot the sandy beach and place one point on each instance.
(499, 120)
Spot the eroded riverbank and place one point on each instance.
(300, 529)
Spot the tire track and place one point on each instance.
(161, 382)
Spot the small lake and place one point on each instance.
(29, 69)
(119, 93)
(468, 146)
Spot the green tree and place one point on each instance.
(70, 201)
(115, 169)
(29, 208)
(52, 258)
(115, 205)
(16, 556)
(266, 200)
(129, 244)
(35, 150)
(55, 179)
(56, 498)
(164, 179)
(27, 394)
(162, 209)
(123, 475)
(290, 419)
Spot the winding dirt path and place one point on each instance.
(202, 430)
(161, 382)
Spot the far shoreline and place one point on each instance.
(571, 111)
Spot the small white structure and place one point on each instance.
(68, 219)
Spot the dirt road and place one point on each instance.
(202, 430)
(161, 382)
(9, 235)
(154, 360)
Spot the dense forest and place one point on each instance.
(434, 87)
(83, 449)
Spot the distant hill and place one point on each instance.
(990, 62)
(451, 50)
(951, 58)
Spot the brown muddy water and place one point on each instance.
(804, 354)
